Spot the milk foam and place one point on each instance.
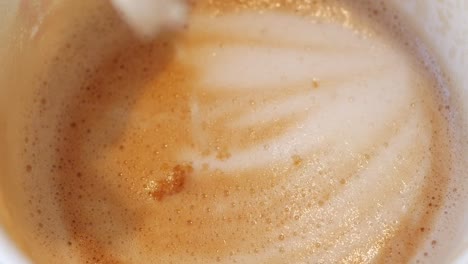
(366, 113)
(355, 73)
(312, 139)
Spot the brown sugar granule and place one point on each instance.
(315, 83)
(173, 183)
(297, 160)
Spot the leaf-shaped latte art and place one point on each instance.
(309, 141)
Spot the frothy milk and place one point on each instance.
(264, 132)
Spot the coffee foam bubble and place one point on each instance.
(280, 137)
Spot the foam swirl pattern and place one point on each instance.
(249, 137)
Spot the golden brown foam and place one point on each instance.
(109, 175)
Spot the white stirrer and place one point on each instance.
(148, 17)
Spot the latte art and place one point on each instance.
(283, 133)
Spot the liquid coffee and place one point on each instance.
(262, 132)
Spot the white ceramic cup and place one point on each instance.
(442, 24)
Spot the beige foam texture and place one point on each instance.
(210, 54)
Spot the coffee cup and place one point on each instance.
(55, 202)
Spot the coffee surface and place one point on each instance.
(262, 132)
